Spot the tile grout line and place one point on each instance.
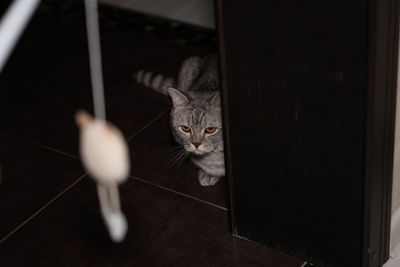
(41, 209)
(54, 150)
(179, 193)
(33, 142)
(128, 139)
(147, 125)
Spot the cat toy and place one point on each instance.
(103, 150)
(105, 156)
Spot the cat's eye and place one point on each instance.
(185, 129)
(210, 130)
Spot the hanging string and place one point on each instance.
(12, 26)
(96, 72)
(107, 191)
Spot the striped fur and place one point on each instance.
(155, 81)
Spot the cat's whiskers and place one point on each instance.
(178, 154)
(176, 158)
(182, 157)
(179, 147)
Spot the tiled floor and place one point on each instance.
(48, 206)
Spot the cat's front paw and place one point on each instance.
(206, 179)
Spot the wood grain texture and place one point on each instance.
(298, 115)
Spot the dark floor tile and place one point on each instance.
(45, 18)
(30, 177)
(165, 229)
(40, 25)
(46, 82)
(41, 87)
(152, 155)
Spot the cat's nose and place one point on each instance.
(196, 144)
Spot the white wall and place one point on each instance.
(198, 12)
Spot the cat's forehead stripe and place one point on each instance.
(197, 116)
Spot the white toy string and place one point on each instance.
(111, 211)
(108, 193)
(13, 24)
(96, 71)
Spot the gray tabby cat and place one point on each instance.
(196, 113)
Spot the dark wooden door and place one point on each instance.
(308, 100)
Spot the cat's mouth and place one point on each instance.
(196, 151)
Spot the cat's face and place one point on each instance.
(196, 121)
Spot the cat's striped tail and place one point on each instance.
(156, 81)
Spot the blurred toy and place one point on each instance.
(104, 154)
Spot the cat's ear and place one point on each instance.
(179, 100)
(215, 99)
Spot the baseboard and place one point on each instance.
(196, 12)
